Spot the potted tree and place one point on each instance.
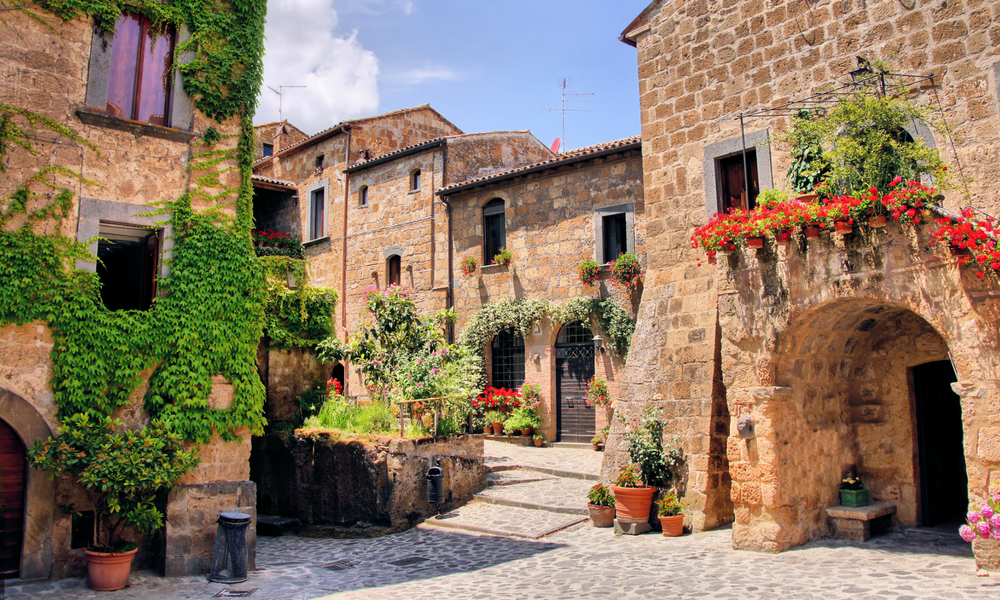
(601, 506)
(668, 509)
(655, 462)
(122, 473)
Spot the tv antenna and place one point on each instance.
(280, 92)
(565, 83)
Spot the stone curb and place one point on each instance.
(546, 470)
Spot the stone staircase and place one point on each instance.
(525, 498)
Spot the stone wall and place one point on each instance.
(699, 65)
(360, 479)
(286, 374)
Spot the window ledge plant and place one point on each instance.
(589, 272)
(625, 271)
(503, 258)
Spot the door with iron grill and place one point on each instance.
(574, 368)
(11, 501)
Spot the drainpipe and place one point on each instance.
(343, 267)
(449, 298)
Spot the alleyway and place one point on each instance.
(436, 562)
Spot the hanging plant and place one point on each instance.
(469, 266)
(589, 272)
(626, 271)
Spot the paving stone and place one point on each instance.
(498, 519)
(557, 494)
(512, 477)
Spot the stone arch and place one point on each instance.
(39, 506)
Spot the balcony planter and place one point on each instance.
(811, 231)
(755, 242)
(877, 221)
(843, 227)
(782, 237)
(727, 247)
(854, 498)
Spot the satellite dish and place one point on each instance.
(555, 146)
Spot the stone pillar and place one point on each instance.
(220, 483)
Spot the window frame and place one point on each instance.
(267, 149)
(322, 184)
(494, 210)
(415, 181)
(610, 211)
(363, 196)
(396, 260)
(759, 141)
(320, 163)
(510, 355)
(92, 211)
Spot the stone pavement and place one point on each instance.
(573, 462)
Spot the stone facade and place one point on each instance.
(278, 134)
(54, 68)
(814, 344)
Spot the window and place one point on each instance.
(415, 181)
(363, 196)
(317, 206)
(82, 529)
(393, 266)
(507, 360)
(319, 162)
(494, 230)
(139, 76)
(733, 184)
(127, 265)
(268, 150)
(615, 237)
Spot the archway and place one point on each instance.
(574, 353)
(12, 480)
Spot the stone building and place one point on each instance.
(112, 135)
(552, 215)
(272, 137)
(841, 353)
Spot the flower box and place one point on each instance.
(843, 227)
(755, 242)
(854, 498)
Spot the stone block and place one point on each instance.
(631, 528)
(988, 447)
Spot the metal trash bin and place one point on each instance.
(435, 484)
(229, 562)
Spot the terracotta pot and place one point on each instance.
(843, 227)
(632, 504)
(539, 443)
(783, 237)
(956, 250)
(727, 247)
(498, 429)
(109, 571)
(602, 516)
(672, 526)
(488, 429)
(755, 242)
(527, 431)
(807, 198)
(811, 231)
(877, 221)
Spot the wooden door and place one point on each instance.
(943, 479)
(574, 368)
(12, 471)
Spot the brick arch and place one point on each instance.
(39, 511)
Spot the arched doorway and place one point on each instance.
(12, 479)
(574, 368)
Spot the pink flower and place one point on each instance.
(995, 521)
(973, 516)
(983, 528)
(435, 370)
(986, 511)
(967, 533)
(996, 534)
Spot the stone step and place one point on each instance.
(511, 477)
(276, 526)
(557, 494)
(498, 466)
(496, 519)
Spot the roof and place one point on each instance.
(344, 126)
(578, 155)
(638, 23)
(272, 183)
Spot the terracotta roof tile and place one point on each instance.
(273, 181)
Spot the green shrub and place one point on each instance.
(372, 418)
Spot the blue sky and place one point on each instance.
(485, 66)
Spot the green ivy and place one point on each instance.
(300, 317)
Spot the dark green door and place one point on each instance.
(574, 368)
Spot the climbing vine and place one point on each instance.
(298, 317)
(210, 313)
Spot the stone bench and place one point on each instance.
(854, 523)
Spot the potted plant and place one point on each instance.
(122, 474)
(497, 419)
(655, 464)
(625, 271)
(523, 420)
(852, 491)
(597, 392)
(503, 257)
(539, 439)
(589, 272)
(985, 522)
(632, 499)
(469, 266)
(601, 506)
(668, 509)
(598, 442)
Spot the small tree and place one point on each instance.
(657, 463)
(122, 472)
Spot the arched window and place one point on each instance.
(507, 359)
(494, 229)
(363, 196)
(415, 181)
(393, 266)
(576, 332)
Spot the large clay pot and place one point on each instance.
(807, 198)
(602, 516)
(672, 526)
(632, 504)
(109, 571)
(498, 429)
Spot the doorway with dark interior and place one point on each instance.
(944, 487)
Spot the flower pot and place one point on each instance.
(527, 431)
(727, 247)
(854, 497)
(632, 504)
(602, 516)
(783, 237)
(807, 198)
(539, 443)
(811, 231)
(956, 250)
(487, 429)
(108, 571)
(843, 227)
(755, 242)
(877, 221)
(498, 429)
(672, 526)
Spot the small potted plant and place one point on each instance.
(625, 271)
(984, 522)
(523, 420)
(601, 506)
(469, 266)
(598, 442)
(632, 499)
(503, 257)
(496, 419)
(669, 510)
(852, 491)
(122, 473)
(589, 272)
(539, 439)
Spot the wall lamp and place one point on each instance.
(599, 343)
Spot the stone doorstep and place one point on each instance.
(854, 523)
(557, 472)
(532, 505)
(519, 440)
(275, 526)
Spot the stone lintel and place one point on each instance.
(861, 513)
(771, 394)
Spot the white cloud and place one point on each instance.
(425, 75)
(304, 47)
